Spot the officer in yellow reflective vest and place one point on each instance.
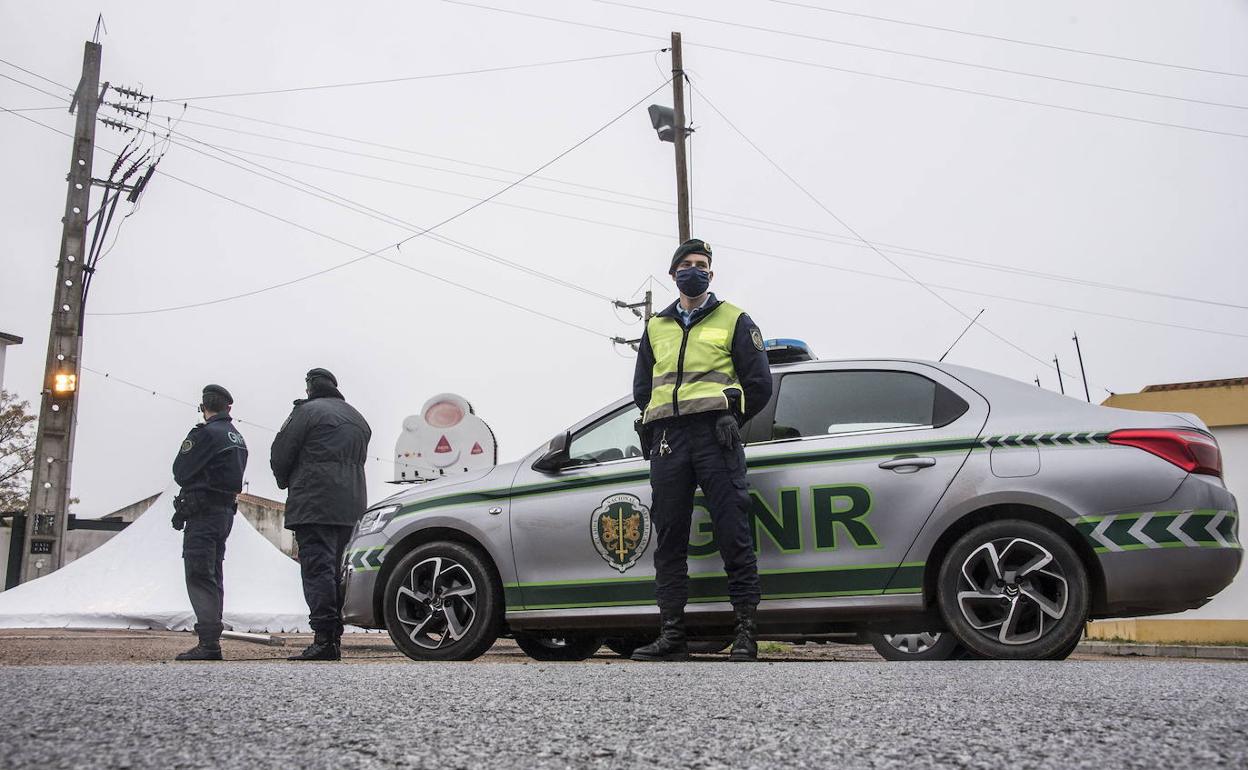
(701, 373)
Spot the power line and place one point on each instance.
(383, 216)
(854, 232)
(323, 271)
(911, 54)
(1034, 44)
(729, 218)
(721, 217)
(846, 70)
(432, 76)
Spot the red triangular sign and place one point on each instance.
(443, 446)
(476, 449)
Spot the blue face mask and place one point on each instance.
(693, 281)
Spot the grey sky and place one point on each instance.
(977, 178)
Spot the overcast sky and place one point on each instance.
(964, 176)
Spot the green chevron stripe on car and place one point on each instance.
(759, 463)
(1200, 528)
(713, 587)
(366, 559)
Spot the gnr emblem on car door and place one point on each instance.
(620, 527)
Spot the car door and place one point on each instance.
(582, 536)
(845, 465)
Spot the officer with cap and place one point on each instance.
(209, 469)
(701, 373)
(319, 455)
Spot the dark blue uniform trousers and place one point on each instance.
(203, 554)
(697, 460)
(320, 561)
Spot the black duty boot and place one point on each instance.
(202, 651)
(323, 647)
(671, 644)
(745, 643)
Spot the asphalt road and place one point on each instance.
(598, 714)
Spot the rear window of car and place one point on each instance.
(824, 403)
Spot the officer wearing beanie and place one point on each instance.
(319, 456)
(701, 373)
(209, 469)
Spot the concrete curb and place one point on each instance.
(1207, 652)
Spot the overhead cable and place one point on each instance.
(846, 70)
(1016, 41)
(925, 57)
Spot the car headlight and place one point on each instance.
(376, 519)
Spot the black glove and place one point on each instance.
(178, 520)
(181, 512)
(726, 431)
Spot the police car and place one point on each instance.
(931, 507)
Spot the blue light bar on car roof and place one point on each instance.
(787, 351)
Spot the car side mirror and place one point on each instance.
(556, 455)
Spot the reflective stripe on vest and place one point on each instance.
(693, 366)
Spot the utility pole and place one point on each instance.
(642, 310)
(1082, 371)
(44, 545)
(1061, 384)
(682, 169)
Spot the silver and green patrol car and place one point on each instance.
(887, 496)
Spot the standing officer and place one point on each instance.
(319, 455)
(209, 469)
(701, 373)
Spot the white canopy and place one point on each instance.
(136, 580)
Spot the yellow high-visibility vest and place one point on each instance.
(693, 366)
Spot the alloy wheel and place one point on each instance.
(913, 644)
(1012, 590)
(436, 603)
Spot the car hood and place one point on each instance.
(498, 475)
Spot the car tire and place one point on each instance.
(625, 645)
(557, 648)
(443, 602)
(1014, 590)
(928, 645)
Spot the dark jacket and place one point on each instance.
(212, 458)
(748, 358)
(319, 456)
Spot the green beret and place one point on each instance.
(691, 246)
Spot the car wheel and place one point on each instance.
(625, 645)
(551, 648)
(1013, 589)
(1065, 653)
(926, 645)
(443, 602)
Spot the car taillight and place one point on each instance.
(1192, 451)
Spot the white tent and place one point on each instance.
(135, 580)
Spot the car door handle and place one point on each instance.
(908, 464)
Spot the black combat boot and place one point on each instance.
(671, 644)
(323, 647)
(202, 651)
(745, 645)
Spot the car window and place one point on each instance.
(611, 438)
(822, 403)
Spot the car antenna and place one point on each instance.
(963, 334)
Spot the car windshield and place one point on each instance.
(611, 438)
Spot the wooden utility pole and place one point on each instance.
(1082, 372)
(44, 545)
(1058, 365)
(682, 169)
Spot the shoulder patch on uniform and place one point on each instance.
(757, 337)
(186, 446)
